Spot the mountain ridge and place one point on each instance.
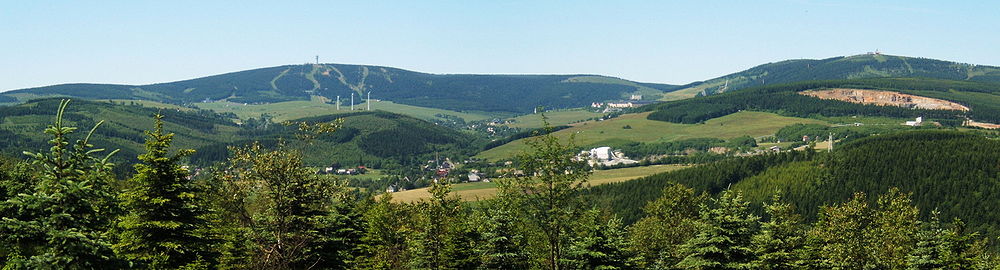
(861, 66)
(302, 82)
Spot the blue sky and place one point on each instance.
(141, 42)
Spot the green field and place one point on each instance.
(485, 190)
(288, 110)
(755, 124)
(556, 118)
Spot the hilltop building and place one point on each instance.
(604, 156)
(918, 122)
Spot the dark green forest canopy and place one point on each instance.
(954, 172)
(982, 98)
(492, 93)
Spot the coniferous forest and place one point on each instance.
(63, 207)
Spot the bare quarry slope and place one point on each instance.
(885, 98)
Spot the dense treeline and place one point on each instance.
(627, 198)
(263, 209)
(953, 172)
(784, 99)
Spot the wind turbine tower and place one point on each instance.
(352, 101)
(338, 103)
(368, 101)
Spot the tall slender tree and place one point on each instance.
(548, 193)
(166, 225)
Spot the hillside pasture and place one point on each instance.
(750, 123)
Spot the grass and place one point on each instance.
(289, 110)
(484, 190)
(556, 118)
(755, 124)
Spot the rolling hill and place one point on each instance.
(838, 68)
(982, 99)
(374, 138)
(491, 93)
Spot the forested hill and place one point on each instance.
(375, 138)
(982, 98)
(509, 93)
(953, 172)
(843, 67)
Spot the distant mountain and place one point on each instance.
(843, 67)
(376, 139)
(503, 93)
(982, 99)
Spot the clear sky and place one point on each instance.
(141, 42)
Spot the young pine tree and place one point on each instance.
(166, 225)
(724, 236)
(64, 219)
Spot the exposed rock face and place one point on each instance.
(885, 98)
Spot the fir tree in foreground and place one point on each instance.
(63, 220)
(166, 226)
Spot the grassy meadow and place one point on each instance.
(484, 190)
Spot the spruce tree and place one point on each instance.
(384, 241)
(724, 236)
(839, 237)
(781, 241)
(670, 221)
(165, 226)
(503, 244)
(599, 243)
(64, 219)
(439, 241)
(940, 247)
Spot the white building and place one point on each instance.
(601, 153)
(919, 121)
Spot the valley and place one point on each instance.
(814, 143)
